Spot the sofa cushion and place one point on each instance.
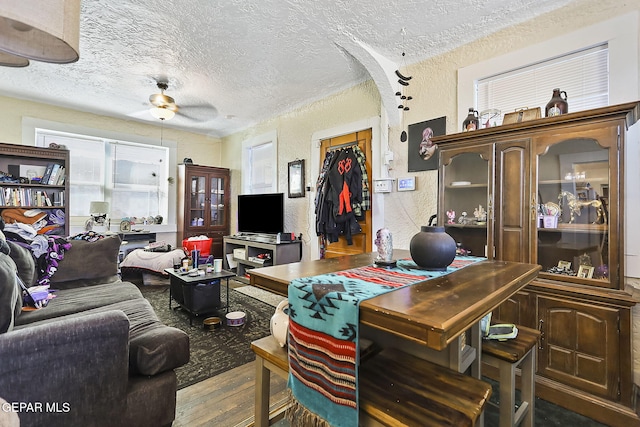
(25, 262)
(10, 294)
(77, 300)
(153, 346)
(88, 263)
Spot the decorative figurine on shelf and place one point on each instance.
(384, 243)
(480, 214)
(452, 217)
(462, 251)
(602, 272)
(463, 218)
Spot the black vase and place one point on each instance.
(432, 248)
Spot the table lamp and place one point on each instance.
(99, 212)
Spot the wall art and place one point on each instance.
(423, 154)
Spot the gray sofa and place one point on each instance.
(96, 355)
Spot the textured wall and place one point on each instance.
(434, 89)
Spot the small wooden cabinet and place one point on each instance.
(203, 204)
(28, 165)
(551, 191)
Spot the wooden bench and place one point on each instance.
(396, 389)
(507, 356)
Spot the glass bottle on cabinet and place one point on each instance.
(465, 202)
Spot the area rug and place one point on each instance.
(213, 351)
(260, 294)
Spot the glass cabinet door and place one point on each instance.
(197, 197)
(216, 198)
(465, 198)
(573, 224)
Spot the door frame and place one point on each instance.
(377, 200)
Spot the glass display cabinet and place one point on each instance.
(466, 197)
(574, 225)
(203, 204)
(550, 192)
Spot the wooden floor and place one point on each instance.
(226, 400)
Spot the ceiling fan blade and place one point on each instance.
(160, 99)
(198, 112)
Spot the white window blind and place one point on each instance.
(260, 160)
(132, 177)
(584, 75)
(87, 174)
(139, 177)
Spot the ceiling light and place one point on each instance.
(9, 60)
(46, 31)
(162, 113)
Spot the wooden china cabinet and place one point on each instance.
(551, 191)
(203, 204)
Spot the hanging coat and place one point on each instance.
(345, 190)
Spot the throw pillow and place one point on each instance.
(10, 294)
(88, 263)
(25, 263)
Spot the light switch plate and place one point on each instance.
(382, 185)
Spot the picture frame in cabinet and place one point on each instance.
(585, 271)
(296, 178)
(564, 265)
(423, 154)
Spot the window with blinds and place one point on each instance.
(132, 177)
(583, 75)
(261, 165)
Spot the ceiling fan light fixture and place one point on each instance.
(43, 31)
(162, 113)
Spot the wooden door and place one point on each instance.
(361, 241)
(580, 345)
(512, 201)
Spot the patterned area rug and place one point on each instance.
(262, 295)
(213, 351)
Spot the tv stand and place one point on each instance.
(253, 245)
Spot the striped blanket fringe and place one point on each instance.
(299, 416)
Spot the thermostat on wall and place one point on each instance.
(407, 184)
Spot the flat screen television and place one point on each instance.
(261, 213)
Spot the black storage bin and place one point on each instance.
(203, 297)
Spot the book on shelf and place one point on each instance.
(54, 174)
(61, 175)
(46, 198)
(47, 173)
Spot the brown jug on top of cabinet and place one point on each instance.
(557, 105)
(472, 122)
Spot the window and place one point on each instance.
(618, 37)
(583, 75)
(259, 165)
(132, 177)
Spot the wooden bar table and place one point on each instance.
(429, 318)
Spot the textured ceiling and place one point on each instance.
(234, 63)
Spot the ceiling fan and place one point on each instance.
(164, 107)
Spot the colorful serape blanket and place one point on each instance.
(323, 337)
